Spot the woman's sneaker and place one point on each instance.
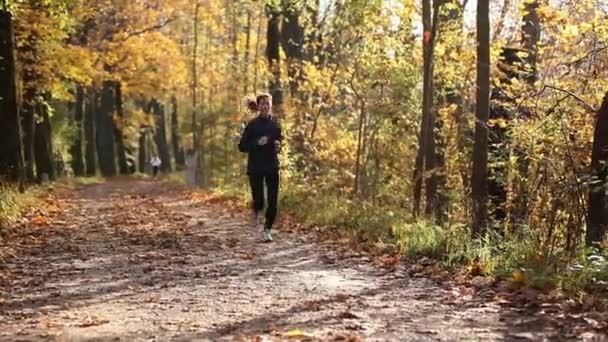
(266, 235)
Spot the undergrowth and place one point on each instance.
(13, 202)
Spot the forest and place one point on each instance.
(474, 133)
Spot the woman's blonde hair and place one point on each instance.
(252, 103)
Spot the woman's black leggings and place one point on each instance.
(256, 181)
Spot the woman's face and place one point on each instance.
(265, 106)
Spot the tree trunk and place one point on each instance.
(499, 140)
(273, 39)
(160, 135)
(143, 152)
(195, 79)
(530, 36)
(479, 178)
(105, 131)
(257, 48)
(426, 158)
(118, 134)
(292, 40)
(11, 150)
(44, 145)
(178, 151)
(247, 53)
(76, 148)
(357, 188)
(597, 214)
(89, 132)
(29, 126)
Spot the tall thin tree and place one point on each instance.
(11, 152)
(597, 215)
(479, 178)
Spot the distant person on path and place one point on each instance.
(261, 140)
(155, 162)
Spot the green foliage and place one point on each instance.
(420, 238)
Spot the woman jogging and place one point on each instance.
(261, 140)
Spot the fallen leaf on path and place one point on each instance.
(347, 338)
(256, 339)
(348, 315)
(247, 256)
(296, 333)
(390, 261)
(40, 220)
(93, 321)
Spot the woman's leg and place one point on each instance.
(272, 188)
(256, 182)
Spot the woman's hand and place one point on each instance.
(263, 141)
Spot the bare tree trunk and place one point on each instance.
(76, 148)
(246, 57)
(257, 49)
(359, 146)
(479, 179)
(292, 40)
(597, 215)
(44, 145)
(11, 150)
(118, 134)
(89, 132)
(195, 126)
(426, 157)
(195, 78)
(178, 151)
(530, 37)
(273, 39)
(143, 154)
(105, 131)
(29, 125)
(160, 135)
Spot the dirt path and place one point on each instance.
(131, 260)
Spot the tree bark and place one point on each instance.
(29, 126)
(426, 159)
(11, 150)
(89, 133)
(530, 37)
(143, 151)
(195, 79)
(597, 214)
(105, 131)
(160, 135)
(246, 54)
(257, 48)
(499, 139)
(273, 40)
(76, 148)
(292, 40)
(479, 178)
(178, 151)
(43, 151)
(357, 187)
(118, 133)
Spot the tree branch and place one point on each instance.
(584, 103)
(148, 29)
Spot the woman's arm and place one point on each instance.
(247, 142)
